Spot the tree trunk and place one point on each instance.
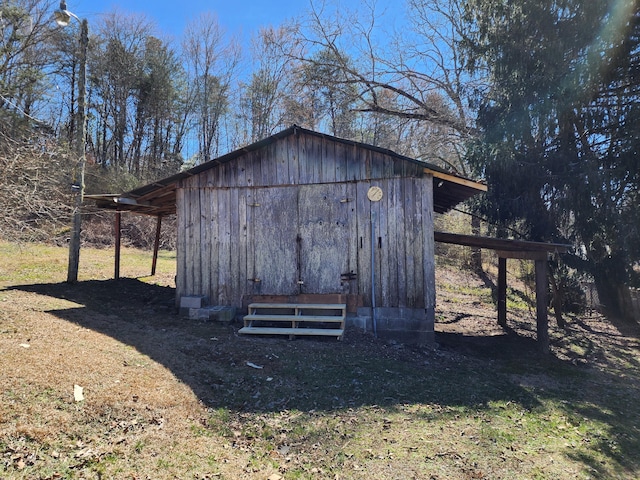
(613, 292)
(476, 253)
(556, 299)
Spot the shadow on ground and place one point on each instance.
(312, 373)
(327, 375)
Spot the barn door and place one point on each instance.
(274, 233)
(324, 250)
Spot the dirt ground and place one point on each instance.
(167, 397)
(466, 319)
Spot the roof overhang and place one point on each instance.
(450, 190)
(159, 198)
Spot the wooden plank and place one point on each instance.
(314, 306)
(156, 245)
(251, 287)
(241, 171)
(386, 258)
(363, 216)
(341, 151)
(502, 291)
(425, 186)
(294, 318)
(193, 243)
(377, 165)
(292, 143)
(118, 228)
(268, 166)
(328, 156)
(499, 243)
(350, 205)
(413, 246)
(321, 332)
(243, 255)
(457, 180)
(281, 162)
(224, 291)
(234, 261)
(387, 166)
(256, 167)
(213, 245)
(403, 263)
(523, 255)
(314, 162)
(399, 168)
(180, 244)
(354, 162)
(207, 226)
(367, 169)
(222, 175)
(208, 178)
(395, 255)
(306, 165)
(230, 174)
(375, 247)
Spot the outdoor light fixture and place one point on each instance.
(63, 16)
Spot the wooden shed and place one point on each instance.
(307, 217)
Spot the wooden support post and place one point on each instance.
(541, 305)
(117, 259)
(502, 291)
(156, 246)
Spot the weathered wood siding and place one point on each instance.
(294, 217)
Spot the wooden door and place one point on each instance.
(273, 233)
(325, 216)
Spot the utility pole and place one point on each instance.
(63, 17)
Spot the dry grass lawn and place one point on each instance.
(166, 397)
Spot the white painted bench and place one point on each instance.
(316, 319)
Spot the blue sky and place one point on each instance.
(242, 17)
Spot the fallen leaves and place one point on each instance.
(18, 457)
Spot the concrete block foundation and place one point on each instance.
(405, 325)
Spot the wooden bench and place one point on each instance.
(295, 319)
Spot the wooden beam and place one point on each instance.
(156, 245)
(501, 244)
(457, 180)
(542, 319)
(502, 291)
(116, 274)
(537, 255)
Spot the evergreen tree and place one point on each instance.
(559, 130)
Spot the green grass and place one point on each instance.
(30, 264)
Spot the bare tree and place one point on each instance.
(211, 65)
(417, 74)
(25, 31)
(115, 69)
(263, 101)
